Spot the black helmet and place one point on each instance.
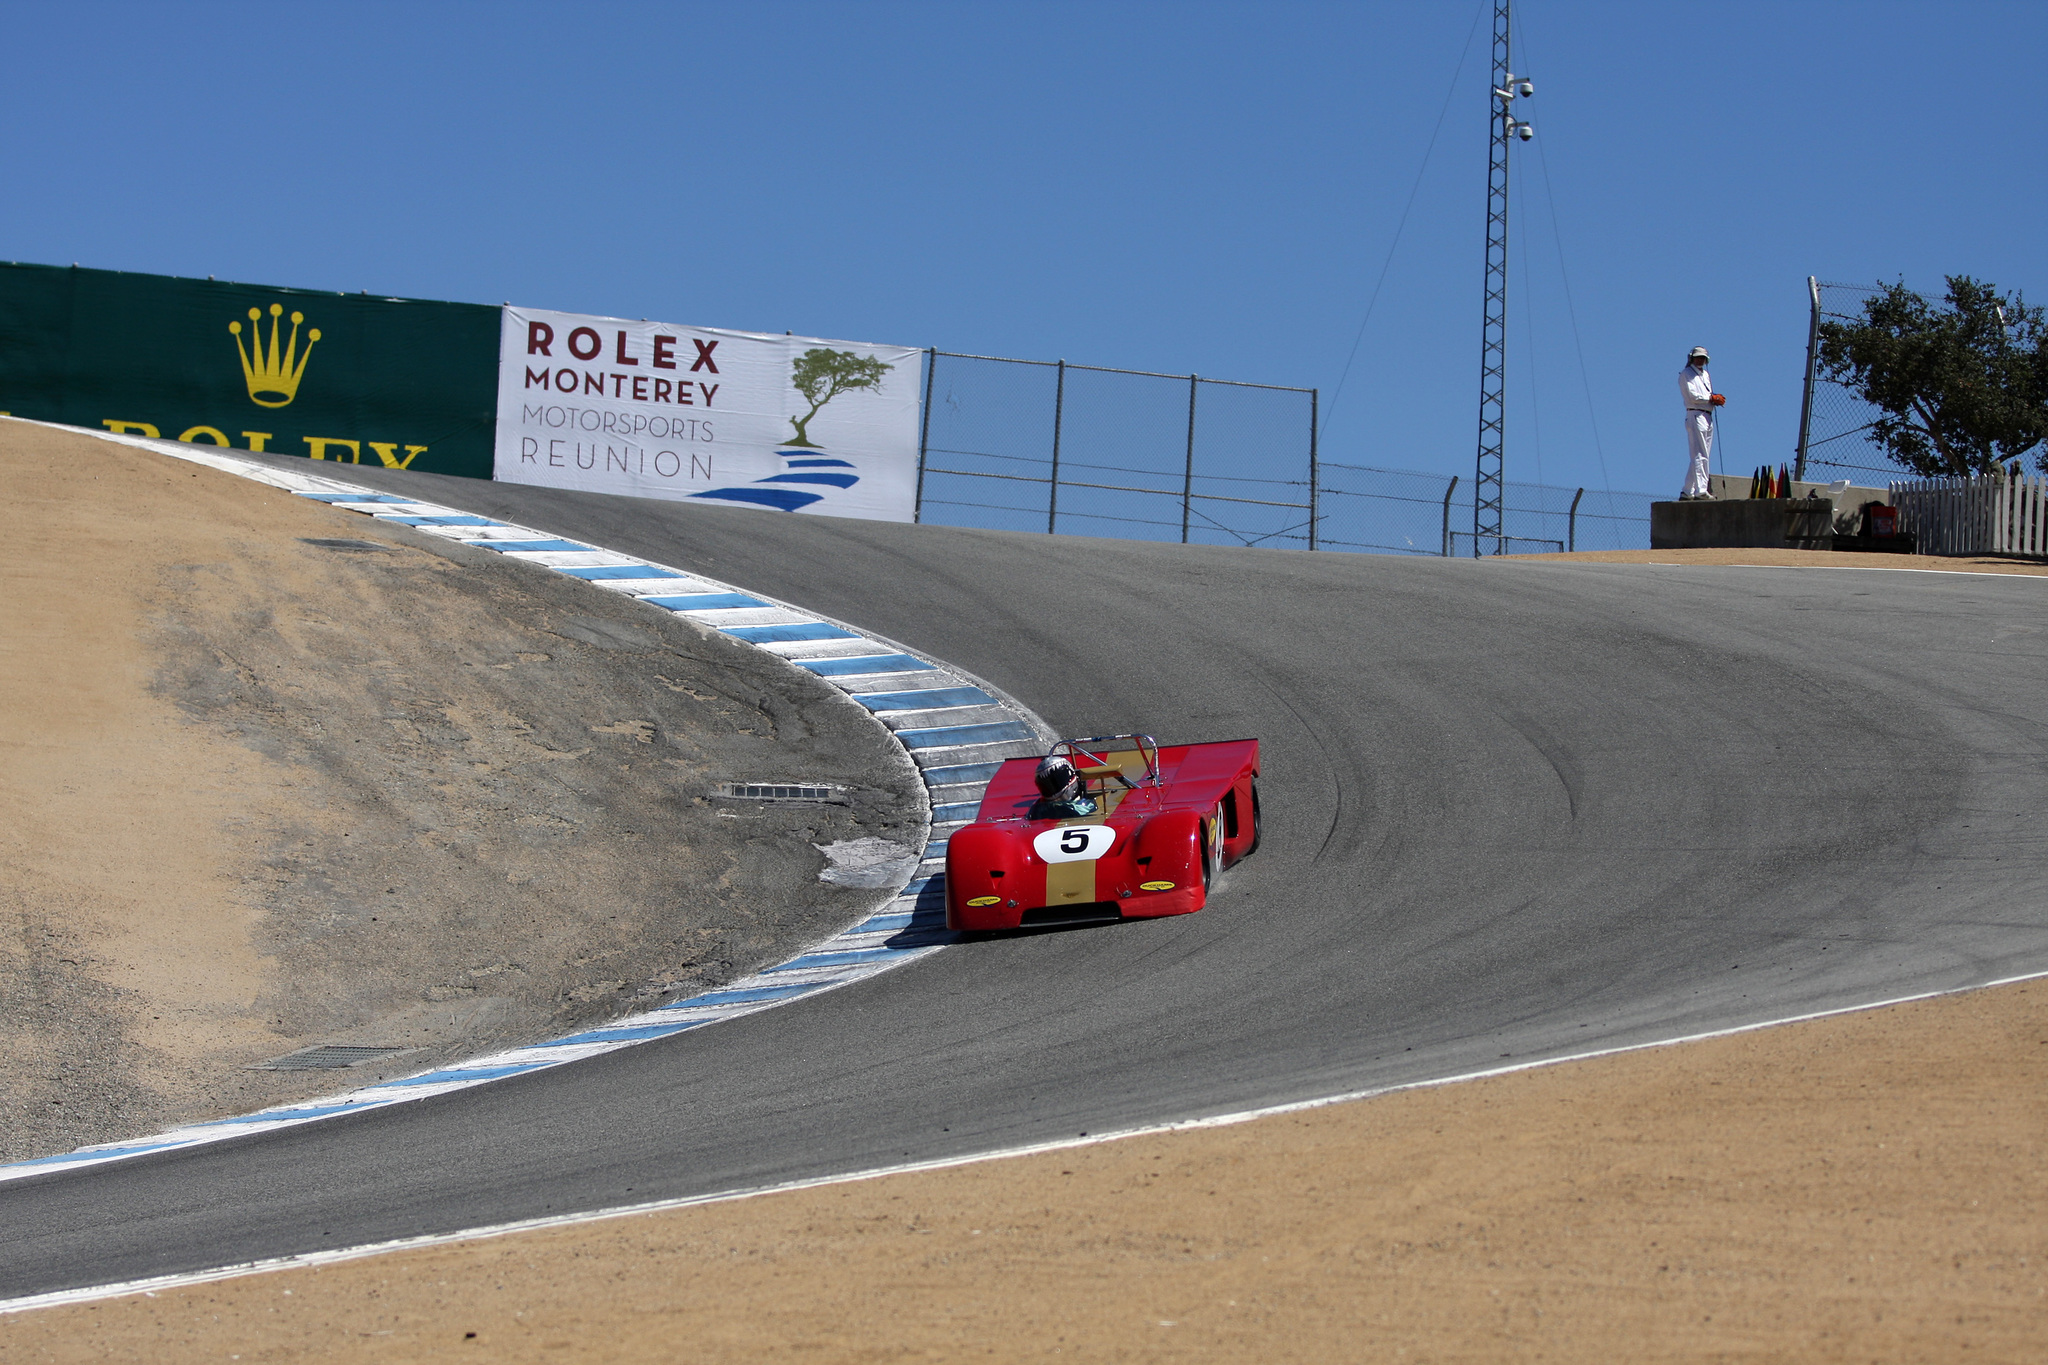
(1055, 775)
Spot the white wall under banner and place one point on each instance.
(739, 419)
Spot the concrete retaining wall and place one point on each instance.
(1742, 523)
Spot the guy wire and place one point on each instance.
(1399, 228)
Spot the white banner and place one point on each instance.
(739, 419)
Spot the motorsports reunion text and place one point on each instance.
(652, 409)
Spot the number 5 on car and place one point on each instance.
(1153, 829)
(1074, 843)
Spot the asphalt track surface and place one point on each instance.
(1512, 811)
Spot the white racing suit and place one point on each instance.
(1698, 392)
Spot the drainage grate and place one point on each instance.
(780, 791)
(349, 546)
(327, 1057)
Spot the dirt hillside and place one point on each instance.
(262, 792)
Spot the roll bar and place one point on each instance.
(1147, 747)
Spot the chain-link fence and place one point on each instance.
(1386, 511)
(1402, 511)
(1045, 445)
(1834, 423)
(1048, 446)
(1580, 518)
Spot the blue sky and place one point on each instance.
(1182, 187)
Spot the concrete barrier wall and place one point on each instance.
(1743, 523)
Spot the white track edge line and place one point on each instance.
(312, 1259)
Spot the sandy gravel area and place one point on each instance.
(258, 792)
(1869, 1187)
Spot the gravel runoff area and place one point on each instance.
(263, 792)
(1869, 1186)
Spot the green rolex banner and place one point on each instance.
(401, 383)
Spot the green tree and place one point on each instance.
(1963, 387)
(821, 376)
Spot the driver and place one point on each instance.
(1060, 793)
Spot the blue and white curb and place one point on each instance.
(954, 727)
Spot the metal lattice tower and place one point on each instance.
(1488, 489)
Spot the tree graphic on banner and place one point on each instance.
(821, 375)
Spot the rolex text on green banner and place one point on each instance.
(353, 378)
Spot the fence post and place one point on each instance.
(1572, 525)
(1806, 395)
(924, 432)
(2003, 510)
(1447, 515)
(1187, 485)
(1315, 401)
(1059, 408)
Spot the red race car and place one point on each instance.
(1110, 827)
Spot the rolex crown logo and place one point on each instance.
(273, 377)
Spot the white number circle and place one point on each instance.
(1074, 843)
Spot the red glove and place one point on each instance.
(1717, 399)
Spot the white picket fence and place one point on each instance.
(1996, 515)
